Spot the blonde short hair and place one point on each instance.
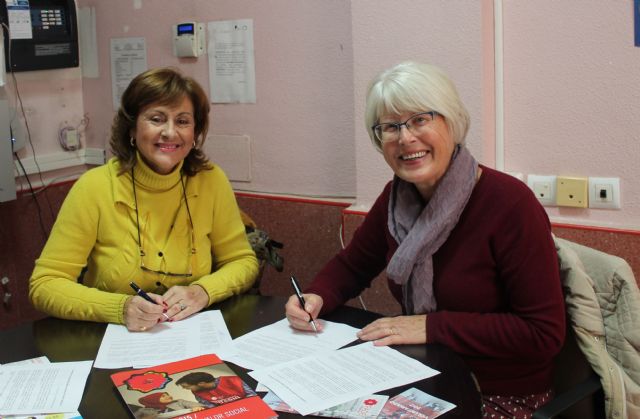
(414, 87)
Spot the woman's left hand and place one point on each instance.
(396, 330)
(184, 301)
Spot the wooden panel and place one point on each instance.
(24, 226)
(623, 244)
(309, 230)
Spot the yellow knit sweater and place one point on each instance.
(96, 228)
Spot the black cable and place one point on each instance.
(26, 124)
(35, 199)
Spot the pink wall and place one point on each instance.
(445, 33)
(572, 90)
(302, 124)
(51, 100)
(570, 80)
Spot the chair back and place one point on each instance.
(603, 308)
(570, 370)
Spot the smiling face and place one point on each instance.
(166, 398)
(422, 160)
(164, 134)
(202, 385)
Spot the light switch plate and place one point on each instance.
(544, 188)
(572, 192)
(604, 192)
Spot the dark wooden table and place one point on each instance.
(65, 340)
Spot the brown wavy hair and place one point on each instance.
(164, 86)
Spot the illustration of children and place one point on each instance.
(213, 391)
(164, 402)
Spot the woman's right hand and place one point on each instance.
(299, 316)
(141, 315)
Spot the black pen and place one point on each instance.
(144, 295)
(296, 288)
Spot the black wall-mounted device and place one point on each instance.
(54, 40)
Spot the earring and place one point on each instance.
(194, 145)
(132, 141)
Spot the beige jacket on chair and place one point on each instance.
(603, 304)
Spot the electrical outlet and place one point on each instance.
(544, 188)
(572, 192)
(72, 141)
(604, 192)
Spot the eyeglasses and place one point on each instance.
(388, 132)
(192, 235)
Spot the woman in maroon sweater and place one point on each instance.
(467, 250)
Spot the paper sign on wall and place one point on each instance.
(128, 59)
(232, 74)
(19, 15)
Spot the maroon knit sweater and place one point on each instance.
(496, 282)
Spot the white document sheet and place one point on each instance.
(202, 333)
(128, 59)
(73, 415)
(38, 360)
(232, 72)
(42, 388)
(279, 342)
(317, 382)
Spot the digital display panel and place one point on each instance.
(186, 29)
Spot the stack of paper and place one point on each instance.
(279, 342)
(200, 334)
(39, 387)
(308, 372)
(314, 383)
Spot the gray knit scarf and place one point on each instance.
(421, 230)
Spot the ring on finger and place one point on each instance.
(182, 306)
(392, 331)
(143, 328)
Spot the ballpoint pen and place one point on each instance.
(296, 288)
(144, 295)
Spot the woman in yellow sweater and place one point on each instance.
(157, 214)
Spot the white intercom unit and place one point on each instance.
(188, 39)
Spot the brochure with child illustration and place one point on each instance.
(203, 387)
(415, 404)
(362, 408)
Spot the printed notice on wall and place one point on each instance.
(232, 74)
(19, 16)
(128, 59)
